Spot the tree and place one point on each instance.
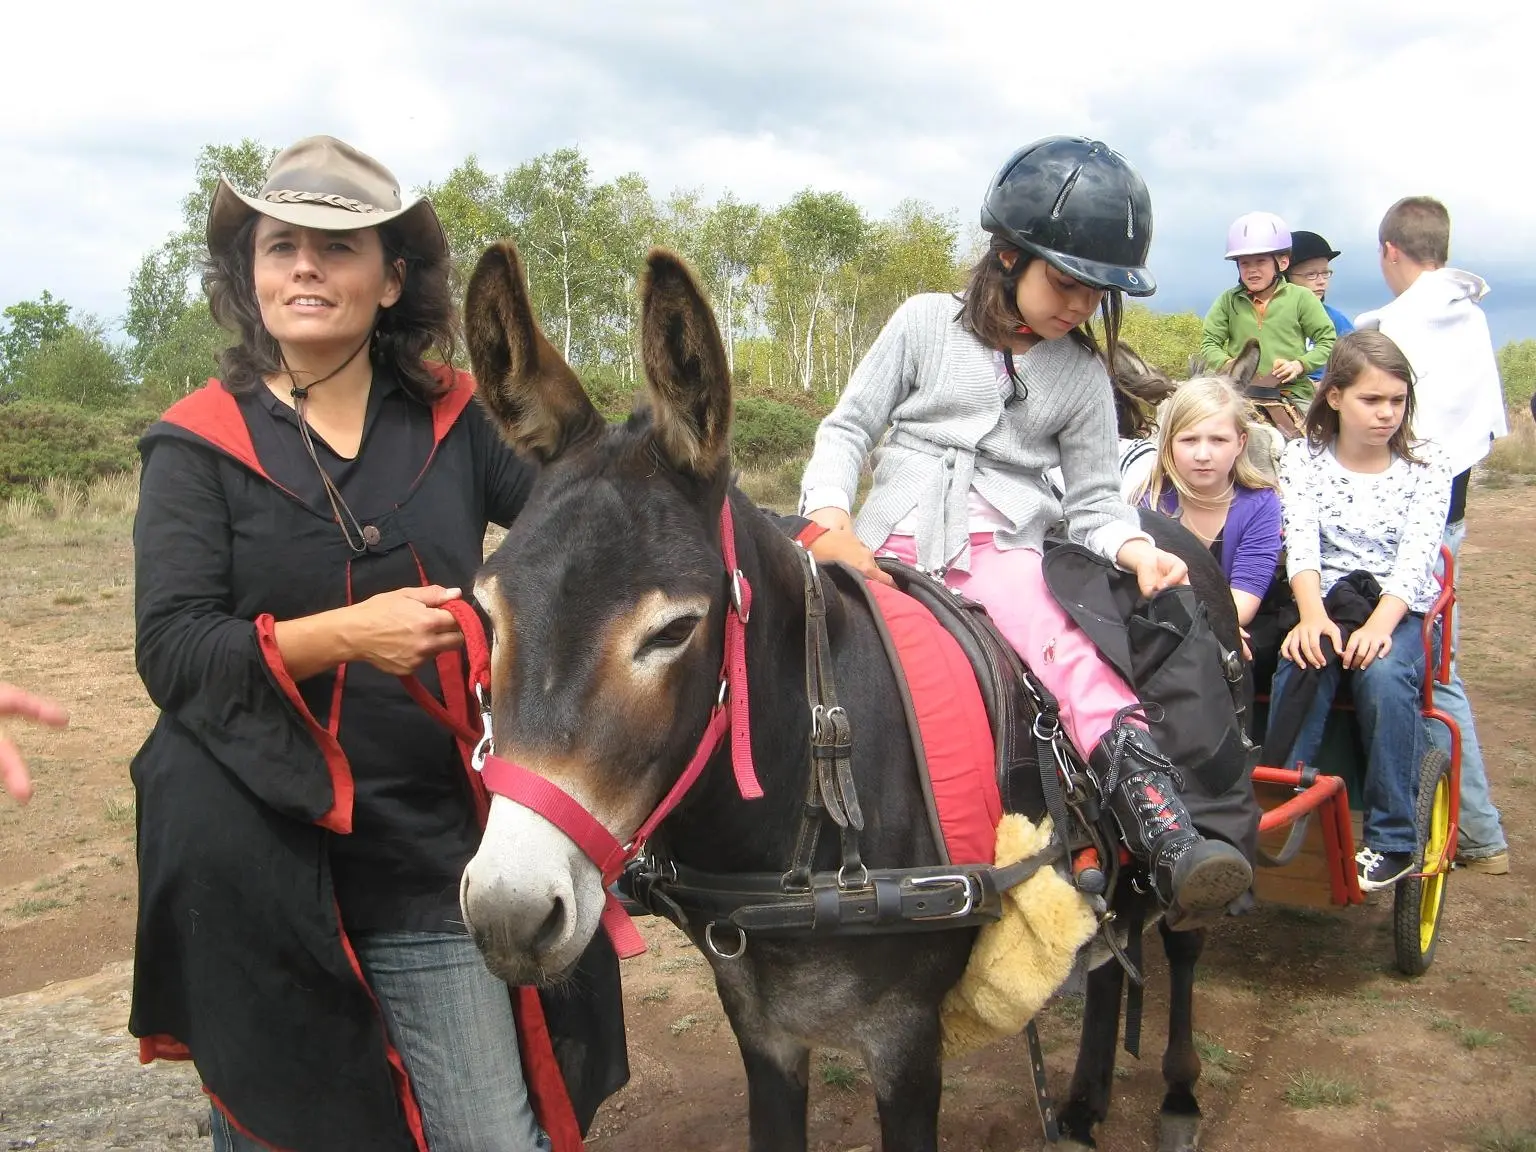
(245, 164)
(550, 201)
(157, 299)
(816, 234)
(78, 366)
(184, 357)
(162, 289)
(624, 223)
(472, 206)
(731, 246)
(29, 325)
(1517, 366)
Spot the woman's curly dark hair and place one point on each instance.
(423, 320)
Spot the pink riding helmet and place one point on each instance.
(1257, 234)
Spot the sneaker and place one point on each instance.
(1377, 870)
(1495, 864)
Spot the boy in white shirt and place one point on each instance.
(1436, 321)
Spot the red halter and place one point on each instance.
(516, 783)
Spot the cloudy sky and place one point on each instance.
(1323, 112)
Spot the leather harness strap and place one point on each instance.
(830, 789)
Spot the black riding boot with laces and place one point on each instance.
(1195, 878)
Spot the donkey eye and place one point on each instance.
(674, 634)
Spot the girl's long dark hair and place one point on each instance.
(423, 320)
(1352, 355)
(989, 308)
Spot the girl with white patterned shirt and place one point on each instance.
(1360, 495)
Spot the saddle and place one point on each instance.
(1014, 700)
(1266, 394)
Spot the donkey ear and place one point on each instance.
(1134, 375)
(529, 389)
(1246, 366)
(685, 364)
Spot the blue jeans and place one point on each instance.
(1389, 711)
(451, 1022)
(1481, 832)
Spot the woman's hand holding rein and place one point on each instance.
(394, 631)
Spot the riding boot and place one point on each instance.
(1194, 878)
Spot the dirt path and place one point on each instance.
(1310, 1038)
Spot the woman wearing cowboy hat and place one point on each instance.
(303, 824)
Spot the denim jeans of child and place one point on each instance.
(1389, 710)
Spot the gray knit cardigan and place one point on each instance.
(935, 386)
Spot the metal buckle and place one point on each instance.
(709, 942)
(821, 717)
(953, 878)
(487, 742)
(737, 602)
(863, 878)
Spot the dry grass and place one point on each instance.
(22, 508)
(109, 498)
(65, 498)
(1515, 454)
(116, 495)
(776, 486)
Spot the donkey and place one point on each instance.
(610, 602)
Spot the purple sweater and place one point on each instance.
(1250, 539)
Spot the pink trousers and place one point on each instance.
(1012, 587)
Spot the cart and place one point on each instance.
(1307, 836)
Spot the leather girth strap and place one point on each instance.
(830, 788)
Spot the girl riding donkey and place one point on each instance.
(1364, 509)
(983, 399)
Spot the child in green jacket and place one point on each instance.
(1294, 333)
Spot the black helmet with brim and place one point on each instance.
(1310, 246)
(1079, 205)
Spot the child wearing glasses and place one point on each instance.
(1310, 259)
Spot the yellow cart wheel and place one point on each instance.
(1419, 900)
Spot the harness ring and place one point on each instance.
(709, 942)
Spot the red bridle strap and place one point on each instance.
(549, 800)
(735, 671)
(478, 652)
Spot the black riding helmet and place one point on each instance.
(1081, 206)
(1309, 246)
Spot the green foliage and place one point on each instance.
(1517, 366)
(800, 292)
(765, 431)
(167, 345)
(29, 325)
(39, 441)
(77, 366)
(1165, 340)
(182, 359)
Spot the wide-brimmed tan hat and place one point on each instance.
(322, 182)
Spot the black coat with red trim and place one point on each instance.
(245, 784)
